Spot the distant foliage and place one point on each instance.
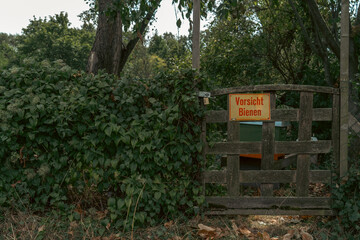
(54, 38)
(8, 50)
(71, 140)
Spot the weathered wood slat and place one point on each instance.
(269, 202)
(215, 176)
(268, 176)
(344, 87)
(268, 148)
(216, 116)
(292, 115)
(233, 163)
(203, 152)
(303, 212)
(304, 134)
(322, 146)
(336, 132)
(319, 114)
(234, 148)
(322, 114)
(320, 176)
(275, 87)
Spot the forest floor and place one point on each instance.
(22, 225)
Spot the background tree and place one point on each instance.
(170, 48)
(111, 50)
(54, 39)
(142, 64)
(8, 50)
(300, 40)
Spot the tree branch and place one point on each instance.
(132, 43)
(357, 19)
(329, 38)
(303, 29)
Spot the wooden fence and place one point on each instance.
(233, 177)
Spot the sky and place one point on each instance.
(15, 14)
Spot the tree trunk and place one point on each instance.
(109, 51)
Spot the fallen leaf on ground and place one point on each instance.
(208, 232)
(305, 235)
(175, 238)
(101, 215)
(235, 227)
(42, 228)
(245, 231)
(108, 226)
(289, 235)
(206, 228)
(169, 224)
(265, 236)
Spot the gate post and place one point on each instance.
(344, 86)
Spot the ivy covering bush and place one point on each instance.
(70, 140)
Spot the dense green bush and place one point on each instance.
(346, 201)
(69, 139)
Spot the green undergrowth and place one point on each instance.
(71, 141)
(346, 202)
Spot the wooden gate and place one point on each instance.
(233, 178)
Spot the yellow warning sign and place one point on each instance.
(249, 107)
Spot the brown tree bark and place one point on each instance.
(109, 51)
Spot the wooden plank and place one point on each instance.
(285, 115)
(322, 146)
(303, 212)
(268, 148)
(320, 176)
(196, 35)
(232, 175)
(304, 134)
(336, 132)
(234, 148)
(344, 86)
(268, 176)
(216, 116)
(203, 152)
(292, 115)
(322, 114)
(215, 176)
(269, 202)
(275, 87)
(319, 114)
(233, 163)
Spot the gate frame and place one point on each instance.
(302, 204)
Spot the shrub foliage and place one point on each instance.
(72, 140)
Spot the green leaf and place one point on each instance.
(157, 195)
(120, 204)
(111, 202)
(178, 23)
(108, 131)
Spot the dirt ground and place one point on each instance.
(25, 226)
